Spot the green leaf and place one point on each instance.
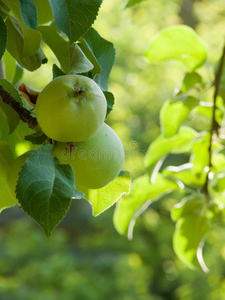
(188, 205)
(15, 45)
(29, 13)
(6, 159)
(57, 44)
(103, 198)
(9, 66)
(110, 101)
(180, 143)
(206, 109)
(45, 188)
(191, 80)
(57, 71)
(44, 11)
(17, 75)
(200, 158)
(188, 240)
(31, 37)
(180, 43)
(74, 17)
(184, 174)
(130, 3)
(36, 138)
(10, 115)
(173, 114)
(12, 71)
(11, 89)
(142, 193)
(79, 63)
(104, 53)
(3, 37)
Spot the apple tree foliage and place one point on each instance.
(192, 130)
(65, 26)
(192, 123)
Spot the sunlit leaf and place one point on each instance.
(103, 198)
(130, 3)
(141, 195)
(6, 159)
(179, 143)
(180, 43)
(45, 188)
(187, 241)
(173, 114)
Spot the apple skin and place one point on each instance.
(14, 172)
(96, 161)
(71, 108)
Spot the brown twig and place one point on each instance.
(23, 113)
(214, 124)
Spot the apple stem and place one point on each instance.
(23, 113)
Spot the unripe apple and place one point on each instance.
(96, 161)
(71, 108)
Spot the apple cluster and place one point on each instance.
(71, 110)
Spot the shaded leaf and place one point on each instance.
(36, 138)
(45, 188)
(78, 61)
(103, 198)
(31, 38)
(15, 46)
(180, 43)
(74, 17)
(44, 11)
(11, 116)
(110, 101)
(29, 13)
(58, 45)
(142, 193)
(3, 37)
(57, 71)
(104, 54)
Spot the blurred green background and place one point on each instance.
(86, 259)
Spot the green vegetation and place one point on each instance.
(160, 66)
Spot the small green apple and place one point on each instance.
(71, 108)
(96, 161)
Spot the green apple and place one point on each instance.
(14, 172)
(71, 108)
(96, 161)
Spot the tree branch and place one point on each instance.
(23, 113)
(214, 124)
